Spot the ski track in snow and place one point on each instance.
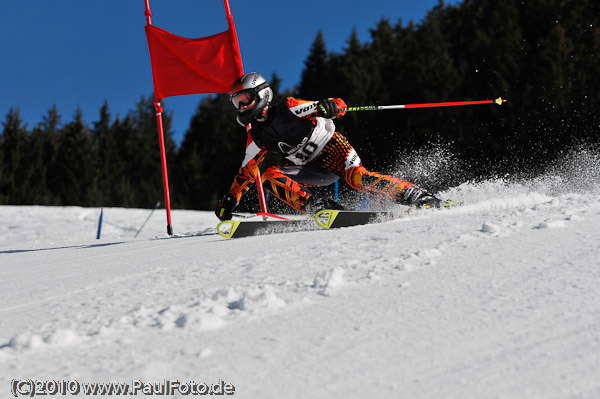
(496, 298)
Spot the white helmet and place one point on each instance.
(247, 88)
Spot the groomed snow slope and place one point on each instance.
(498, 298)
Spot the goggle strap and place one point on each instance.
(256, 89)
(261, 86)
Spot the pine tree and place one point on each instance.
(48, 132)
(44, 149)
(106, 156)
(143, 155)
(358, 83)
(435, 77)
(119, 179)
(210, 154)
(385, 64)
(3, 175)
(74, 163)
(584, 29)
(14, 147)
(316, 73)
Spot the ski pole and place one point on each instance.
(498, 101)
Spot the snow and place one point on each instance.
(497, 298)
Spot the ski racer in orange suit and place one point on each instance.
(304, 133)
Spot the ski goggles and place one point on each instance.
(243, 98)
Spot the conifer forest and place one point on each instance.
(543, 56)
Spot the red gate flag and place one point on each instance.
(191, 66)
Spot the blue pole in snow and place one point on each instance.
(336, 190)
(100, 224)
(364, 204)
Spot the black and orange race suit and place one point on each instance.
(293, 130)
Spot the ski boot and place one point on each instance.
(314, 205)
(422, 199)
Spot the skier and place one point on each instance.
(304, 133)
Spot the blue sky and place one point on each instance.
(80, 53)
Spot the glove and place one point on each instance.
(327, 108)
(225, 207)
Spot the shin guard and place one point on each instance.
(376, 184)
(284, 188)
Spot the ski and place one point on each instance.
(247, 228)
(333, 219)
(327, 219)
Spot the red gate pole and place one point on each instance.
(161, 140)
(237, 56)
(261, 192)
(163, 161)
(148, 13)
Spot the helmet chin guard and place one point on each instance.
(249, 115)
(246, 89)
